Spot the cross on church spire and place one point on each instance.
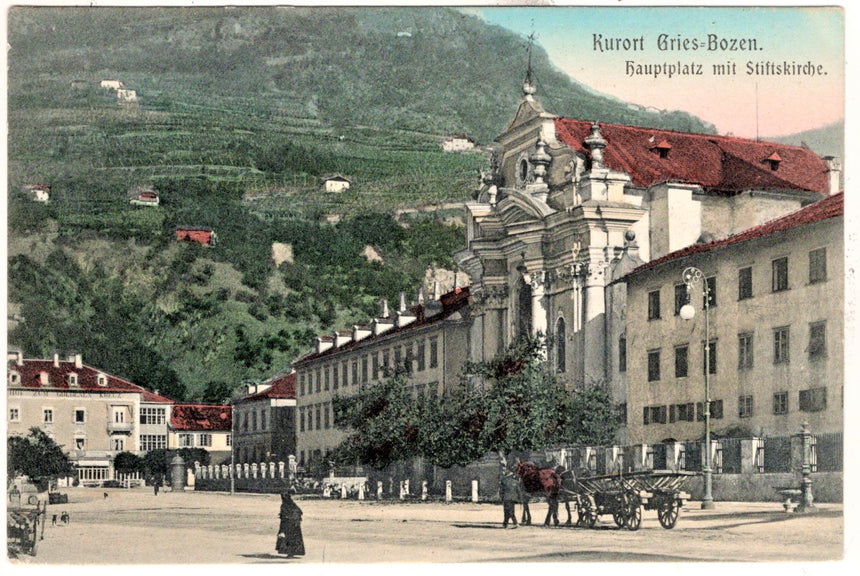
(528, 82)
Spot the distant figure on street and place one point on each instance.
(156, 484)
(290, 540)
(511, 493)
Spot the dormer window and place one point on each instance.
(14, 378)
(102, 380)
(662, 149)
(72, 379)
(773, 160)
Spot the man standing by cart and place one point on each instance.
(510, 493)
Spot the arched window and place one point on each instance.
(560, 345)
(524, 314)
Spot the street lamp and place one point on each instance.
(691, 277)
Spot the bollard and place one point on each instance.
(448, 496)
(474, 490)
(424, 490)
(379, 490)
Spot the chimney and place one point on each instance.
(834, 174)
(380, 325)
(56, 359)
(420, 296)
(16, 356)
(402, 307)
(323, 343)
(383, 308)
(361, 331)
(79, 361)
(342, 337)
(437, 290)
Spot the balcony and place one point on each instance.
(123, 427)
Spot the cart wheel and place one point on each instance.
(620, 518)
(668, 514)
(634, 513)
(587, 513)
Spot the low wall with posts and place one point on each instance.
(744, 469)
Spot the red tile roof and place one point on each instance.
(282, 387)
(717, 163)
(31, 377)
(155, 398)
(830, 207)
(451, 303)
(213, 417)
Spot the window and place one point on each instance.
(710, 358)
(310, 410)
(685, 412)
(780, 345)
(745, 283)
(80, 443)
(302, 384)
(335, 377)
(621, 414)
(186, 440)
(118, 444)
(716, 411)
(421, 361)
(326, 416)
(711, 293)
(434, 352)
(386, 356)
(622, 353)
(654, 305)
(745, 406)
(355, 372)
(205, 439)
(301, 419)
(14, 378)
(80, 416)
(152, 442)
(364, 368)
(817, 340)
(681, 361)
(524, 308)
(14, 415)
(326, 380)
(398, 357)
(780, 274)
(818, 265)
(152, 415)
(263, 420)
(48, 416)
(680, 297)
(254, 420)
(310, 382)
(72, 379)
(375, 366)
(229, 440)
(813, 400)
(345, 373)
(319, 416)
(654, 415)
(560, 346)
(653, 365)
(318, 380)
(780, 403)
(745, 351)
(102, 380)
(119, 415)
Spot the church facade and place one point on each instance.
(567, 208)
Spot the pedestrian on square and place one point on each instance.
(290, 540)
(511, 493)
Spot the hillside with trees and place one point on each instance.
(236, 116)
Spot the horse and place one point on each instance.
(545, 481)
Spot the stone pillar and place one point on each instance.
(272, 469)
(343, 491)
(361, 491)
(406, 486)
(402, 490)
(379, 490)
(474, 491)
(281, 470)
(748, 449)
(424, 490)
(254, 468)
(538, 281)
(448, 495)
(247, 470)
(594, 361)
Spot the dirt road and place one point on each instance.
(136, 527)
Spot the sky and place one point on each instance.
(579, 41)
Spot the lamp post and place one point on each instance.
(691, 277)
(233, 450)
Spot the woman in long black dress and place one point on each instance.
(290, 540)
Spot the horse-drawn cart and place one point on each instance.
(624, 496)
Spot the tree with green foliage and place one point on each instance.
(36, 456)
(511, 403)
(127, 463)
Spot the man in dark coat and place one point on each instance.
(510, 493)
(290, 541)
